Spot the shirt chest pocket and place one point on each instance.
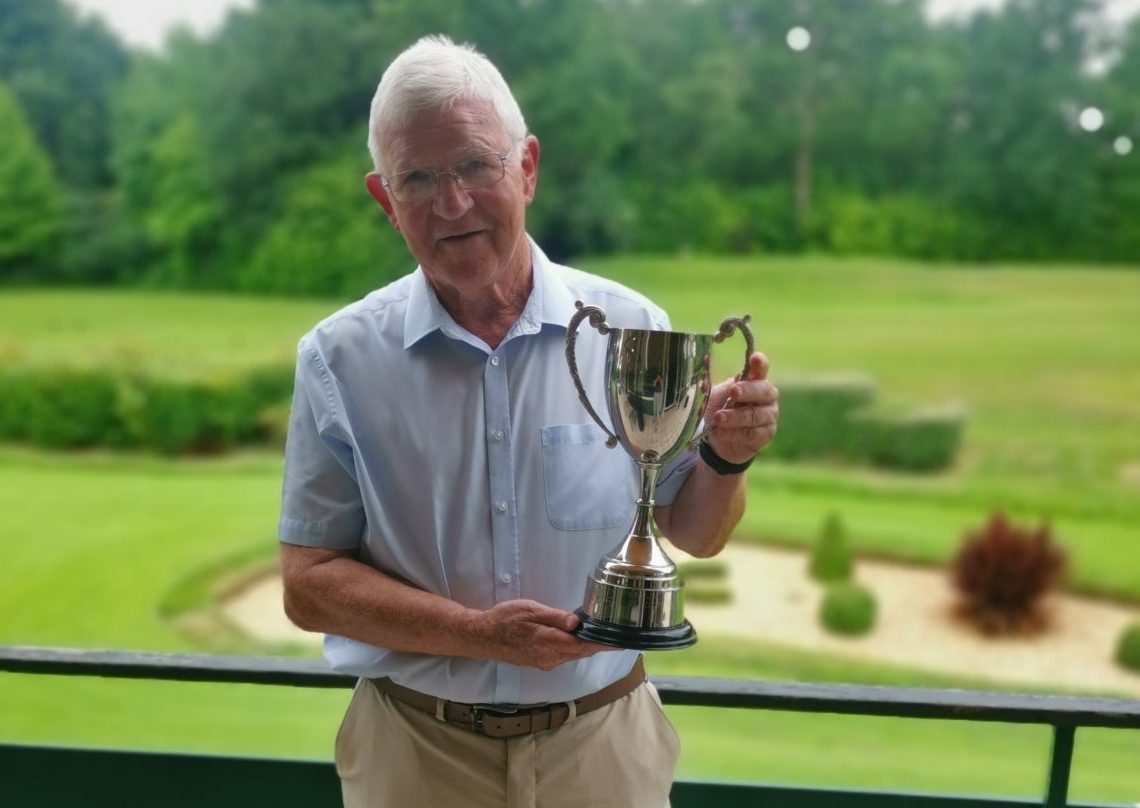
(588, 485)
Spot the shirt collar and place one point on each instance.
(550, 303)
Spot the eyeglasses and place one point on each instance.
(475, 171)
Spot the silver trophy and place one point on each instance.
(656, 391)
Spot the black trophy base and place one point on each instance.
(638, 639)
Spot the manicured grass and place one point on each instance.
(1045, 361)
(174, 333)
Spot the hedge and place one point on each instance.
(920, 441)
(69, 408)
(835, 418)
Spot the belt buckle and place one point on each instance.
(493, 710)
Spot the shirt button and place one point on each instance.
(498, 434)
(495, 361)
(505, 577)
(501, 506)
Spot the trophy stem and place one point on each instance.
(641, 550)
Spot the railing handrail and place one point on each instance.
(900, 702)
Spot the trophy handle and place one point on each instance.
(727, 328)
(598, 321)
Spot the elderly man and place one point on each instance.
(445, 495)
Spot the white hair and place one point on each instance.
(432, 74)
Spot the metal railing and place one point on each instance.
(50, 776)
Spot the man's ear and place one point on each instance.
(380, 194)
(530, 167)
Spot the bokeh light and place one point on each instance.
(1122, 145)
(799, 38)
(1091, 119)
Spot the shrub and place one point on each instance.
(815, 415)
(63, 408)
(848, 608)
(831, 555)
(1002, 573)
(1128, 647)
(706, 582)
(710, 569)
(920, 441)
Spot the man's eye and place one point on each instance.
(474, 167)
(414, 179)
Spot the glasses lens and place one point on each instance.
(414, 186)
(479, 170)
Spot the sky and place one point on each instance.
(144, 23)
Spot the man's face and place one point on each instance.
(465, 240)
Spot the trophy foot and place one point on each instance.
(632, 637)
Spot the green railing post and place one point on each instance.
(1060, 766)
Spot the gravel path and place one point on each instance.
(776, 602)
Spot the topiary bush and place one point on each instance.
(1128, 647)
(1001, 574)
(831, 558)
(848, 608)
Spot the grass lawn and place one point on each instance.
(175, 333)
(1045, 360)
(104, 538)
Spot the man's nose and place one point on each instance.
(451, 201)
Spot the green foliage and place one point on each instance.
(705, 569)
(706, 582)
(919, 441)
(848, 608)
(1128, 647)
(330, 238)
(831, 559)
(72, 408)
(815, 415)
(31, 214)
(63, 69)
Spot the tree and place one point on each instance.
(63, 71)
(31, 215)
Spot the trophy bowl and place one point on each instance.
(657, 386)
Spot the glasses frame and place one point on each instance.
(438, 173)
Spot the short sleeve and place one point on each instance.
(321, 503)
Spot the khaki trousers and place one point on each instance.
(390, 755)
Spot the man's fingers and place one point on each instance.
(758, 366)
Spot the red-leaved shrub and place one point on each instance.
(1001, 574)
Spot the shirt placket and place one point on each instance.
(504, 514)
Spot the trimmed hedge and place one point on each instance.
(815, 413)
(919, 441)
(834, 418)
(68, 408)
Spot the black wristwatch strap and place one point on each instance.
(719, 464)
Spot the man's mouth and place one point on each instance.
(460, 237)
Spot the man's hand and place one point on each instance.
(738, 433)
(525, 632)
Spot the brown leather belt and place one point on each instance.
(508, 721)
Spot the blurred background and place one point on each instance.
(931, 211)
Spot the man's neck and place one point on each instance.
(491, 315)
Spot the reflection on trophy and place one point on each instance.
(657, 385)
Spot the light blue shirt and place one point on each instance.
(472, 473)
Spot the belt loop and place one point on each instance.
(572, 706)
(439, 704)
